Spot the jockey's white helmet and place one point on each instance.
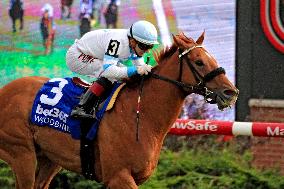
(144, 32)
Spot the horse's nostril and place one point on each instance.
(230, 93)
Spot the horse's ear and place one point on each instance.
(177, 40)
(181, 33)
(201, 38)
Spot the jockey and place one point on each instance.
(101, 53)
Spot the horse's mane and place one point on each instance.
(159, 56)
(169, 51)
(165, 53)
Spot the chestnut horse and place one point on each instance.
(36, 154)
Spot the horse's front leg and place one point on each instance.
(46, 170)
(122, 180)
(22, 160)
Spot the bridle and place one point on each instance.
(199, 88)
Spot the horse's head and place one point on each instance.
(203, 72)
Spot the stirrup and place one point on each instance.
(79, 112)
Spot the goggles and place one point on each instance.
(143, 46)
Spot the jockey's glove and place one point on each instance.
(144, 69)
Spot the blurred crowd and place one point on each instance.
(90, 15)
(195, 107)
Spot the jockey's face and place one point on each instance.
(139, 48)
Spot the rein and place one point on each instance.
(175, 82)
(198, 88)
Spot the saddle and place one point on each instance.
(80, 82)
(85, 84)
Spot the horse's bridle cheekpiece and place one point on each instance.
(200, 87)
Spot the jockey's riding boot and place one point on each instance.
(90, 100)
(85, 106)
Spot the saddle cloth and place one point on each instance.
(54, 102)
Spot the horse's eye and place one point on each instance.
(199, 63)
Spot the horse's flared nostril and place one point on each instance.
(230, 93)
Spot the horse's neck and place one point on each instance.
(164, 99)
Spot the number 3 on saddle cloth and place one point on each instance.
(56, 99)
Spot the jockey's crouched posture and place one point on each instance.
(100, 54)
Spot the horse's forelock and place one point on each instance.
(184, 41)
(185, 38)
(168, 51)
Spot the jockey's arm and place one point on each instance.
(140, 64)
(113, 69)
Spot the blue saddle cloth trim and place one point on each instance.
(93, 131)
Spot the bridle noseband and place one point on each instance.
(201, 81)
